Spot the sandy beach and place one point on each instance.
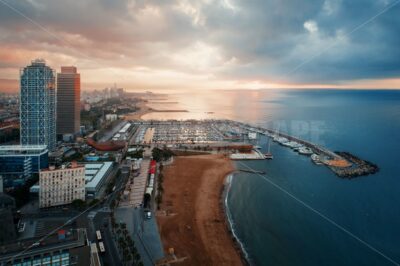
(192, 219)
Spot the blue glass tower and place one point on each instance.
(38, 105)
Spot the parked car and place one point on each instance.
(147, 214)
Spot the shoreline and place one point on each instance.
(144, 109)
(192, 219)
(239, 246)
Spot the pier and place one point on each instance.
(362, 167)
(343, 164)
(252, 171)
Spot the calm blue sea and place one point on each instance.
(272, 215)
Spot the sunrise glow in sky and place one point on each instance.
(206, 44)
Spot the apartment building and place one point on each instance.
(61, 186)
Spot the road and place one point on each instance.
(100, 219)
(102, 222)
(144, 232)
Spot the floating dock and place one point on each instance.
(253, 155)
(252, 171)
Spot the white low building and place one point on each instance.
(111, 117)
(60, 186)
(96, 176)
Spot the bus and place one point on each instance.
(101, 247)
(98, 235)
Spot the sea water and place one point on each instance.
(299, 213)
(302, 214)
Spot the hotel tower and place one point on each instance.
(68, 101)
(38, 105)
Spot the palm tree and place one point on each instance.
(128, 257)
(137, 257)
(121, 242)
(130, 242)
(113, 223)
(125, 253)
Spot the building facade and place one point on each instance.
(18, 163)
(68, 101)
(61, 186)
(38, 105)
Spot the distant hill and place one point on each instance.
(9, 85)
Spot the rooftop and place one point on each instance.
(22, 149)
(71, 165)
(73, 239)
(95, 172)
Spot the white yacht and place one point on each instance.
(292, 144)
(305, 150)
(316, 159)
(282, 140)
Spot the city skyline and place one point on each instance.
(207, 44)
(199, 132)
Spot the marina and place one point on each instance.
(239, 140)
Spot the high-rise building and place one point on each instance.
(68, 100)
(62, 185)
(38, 105)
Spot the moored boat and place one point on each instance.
(316, 159)
(305, 151)
(291, 144)
(268, 155)
(282, 140)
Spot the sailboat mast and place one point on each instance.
(269, 144)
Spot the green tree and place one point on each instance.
(93, 202)
(137, 258)
(78, 204)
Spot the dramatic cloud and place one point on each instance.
(206, 43)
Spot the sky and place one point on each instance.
(206, 44)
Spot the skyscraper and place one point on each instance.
(38, 105)
(68, 101)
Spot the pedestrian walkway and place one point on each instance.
(137, 189)
(144, 232)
